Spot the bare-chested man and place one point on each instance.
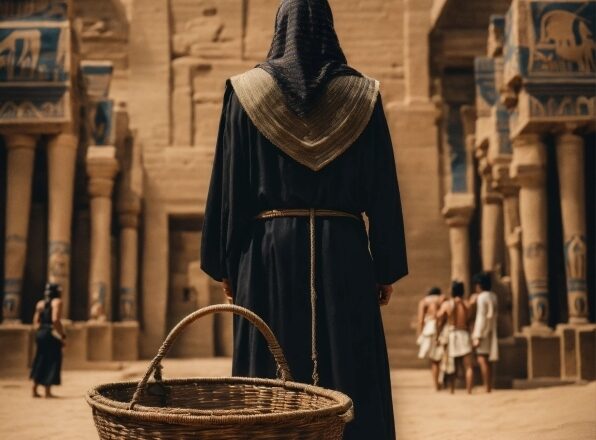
(427, 331)
(454, 314)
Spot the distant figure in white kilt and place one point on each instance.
(484, 335)
(427, 332)
(453, 323)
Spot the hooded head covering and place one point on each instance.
(305, 99)
(305, 54)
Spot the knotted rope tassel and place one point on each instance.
(313, 299)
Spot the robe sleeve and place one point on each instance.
(225, 211)
(386, 226)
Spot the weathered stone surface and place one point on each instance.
(170, 62)
(16, 339)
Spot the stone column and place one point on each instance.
(21, 154)
(514, 250)
(129, 208)
(492, 222)
(62, 153)
(458, 212)
(102, 167)
(570, 162)
(528, 168)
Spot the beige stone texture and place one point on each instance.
(129, 208)
(171, 62)
(513, 362)
(16, 339)
(529, 170)
(543, 347)
(102, 167)
(125, 345)
(568, 336)
(20, 152)
(586, 352)
(77, 340)
(457, 210)
(100, 341)
(571, 165)
(62, 151)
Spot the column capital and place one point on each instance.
(569, 138)
(129, 208)
(458, 209)
(13, 141)
(501, 178)
(102, 167)
(64, 140)
(528, 167)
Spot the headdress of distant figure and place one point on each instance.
(433, 291)
(457, 289)
(483, 279)
(305, 54)
(52, 290)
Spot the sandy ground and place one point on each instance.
(560, 413)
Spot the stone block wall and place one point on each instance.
(180, 54)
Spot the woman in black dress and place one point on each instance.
(49, 338)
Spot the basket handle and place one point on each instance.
(283, 370)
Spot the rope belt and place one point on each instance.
(311, 214)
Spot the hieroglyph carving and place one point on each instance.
(575, 265)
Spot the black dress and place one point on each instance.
(48, 356)
(267, 261)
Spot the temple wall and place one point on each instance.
(175, 93)
(170, 62)
(490, 169)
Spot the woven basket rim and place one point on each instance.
(343, 406)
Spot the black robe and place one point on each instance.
(268, 261)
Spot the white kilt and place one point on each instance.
(427, 341)
(460, 343)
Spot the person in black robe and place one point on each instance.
(49, 339)
(303, 151)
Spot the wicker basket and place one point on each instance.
(219, 408)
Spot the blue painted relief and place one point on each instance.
(33, 54)
(484, 75)
(575, 252)
(563, 38)
(497, 21)
(560, 104)
(32, 103)
(457, 148)
(97, 76)
(35, 45)
(102, 124)
(515, 57)
(503, 129)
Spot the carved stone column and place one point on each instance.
(492, 221)
(529, 170)
(570, 162)
(102, 167)
(458, 212)
(513, 237)
(62, 152)
(21, 154)
(129, 208)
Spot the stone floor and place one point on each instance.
(558, 413)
